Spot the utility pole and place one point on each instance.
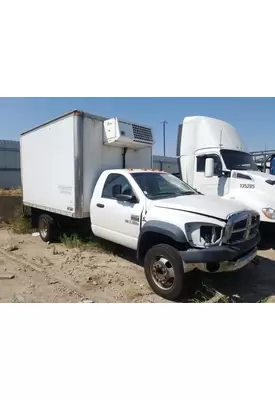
(164, 146)
(265, 158)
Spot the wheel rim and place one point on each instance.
(43, 228)
(163, 273)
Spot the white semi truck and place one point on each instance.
(81, 167)
(214, 160)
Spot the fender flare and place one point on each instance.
(164, 228)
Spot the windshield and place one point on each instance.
(161, 185)
(238, 160)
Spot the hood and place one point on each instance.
(211, 206)
(262, 182)
(256, 174)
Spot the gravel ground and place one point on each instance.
(32, 271)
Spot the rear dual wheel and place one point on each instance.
(46, 228)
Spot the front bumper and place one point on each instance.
(221, 258)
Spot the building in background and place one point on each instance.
(168, 164)
(10, 176)
(10, 164)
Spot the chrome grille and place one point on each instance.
(241, 226)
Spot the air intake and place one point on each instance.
(142, 134)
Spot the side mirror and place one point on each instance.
(209, 168)
(126, 197)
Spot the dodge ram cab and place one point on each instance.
(173, 228)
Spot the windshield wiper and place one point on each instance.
(188, 192)
(241, 168)
(173, 194)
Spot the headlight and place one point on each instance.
(269, 212)
(203, 235)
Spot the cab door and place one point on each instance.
(217, 184)
(117, 221)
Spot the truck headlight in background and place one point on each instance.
(203, 235)
(269, 212)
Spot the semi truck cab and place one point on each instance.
(214, 160)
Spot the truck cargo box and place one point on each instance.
(62, 159)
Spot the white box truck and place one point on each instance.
(232, 172)
(81, 166)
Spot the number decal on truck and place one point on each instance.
(247, 186)
(134, 220)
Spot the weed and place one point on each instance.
(209, 295)
(11, 192)
(269, 299)
(19, 223)
(72, 241)
(87, 243)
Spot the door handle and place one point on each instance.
(100, 205)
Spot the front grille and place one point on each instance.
(256, 219)
(241, 226)
(236, 237)
(142, 134)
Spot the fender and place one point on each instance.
(162, 228)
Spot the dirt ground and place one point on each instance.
(33, 271)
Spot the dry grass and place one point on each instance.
(11, 192)
(20, 224)
(270, 299)
(210, 295)
(87, 243)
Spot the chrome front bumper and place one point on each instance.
(240, 263)
(220, 258)
(225, 266)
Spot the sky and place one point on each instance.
(254, 118)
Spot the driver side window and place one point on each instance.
(217, 163)
(111, 181)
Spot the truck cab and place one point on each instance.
(214, 160)
(172, 227)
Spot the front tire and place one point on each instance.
(46, 228)
(164, 271)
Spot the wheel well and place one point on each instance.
(35, 215)
(63, 223)
(150, 239)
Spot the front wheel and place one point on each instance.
(164, 271)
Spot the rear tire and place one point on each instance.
(164, 271)
(46, 228)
